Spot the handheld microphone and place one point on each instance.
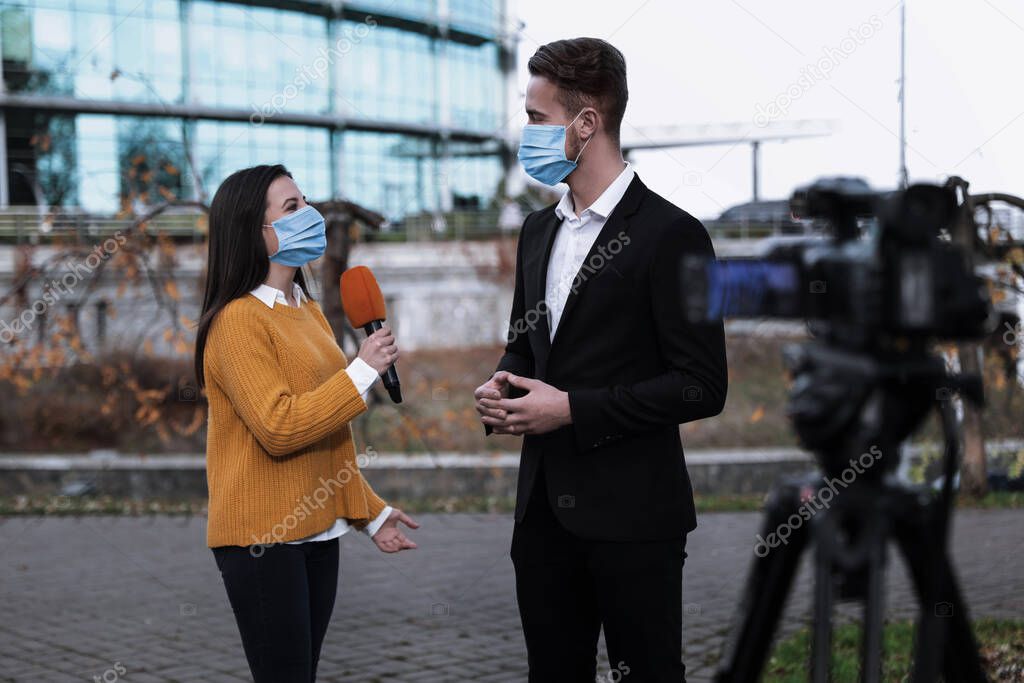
(364, 307)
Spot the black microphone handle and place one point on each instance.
(390, 376)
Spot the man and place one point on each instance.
(600, 369)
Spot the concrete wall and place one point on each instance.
(394, 476)
(402, 476)
(439, 294)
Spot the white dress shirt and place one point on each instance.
(363, 376)
(576, 235)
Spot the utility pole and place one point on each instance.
(904, 178)
(755, 153)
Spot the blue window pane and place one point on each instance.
(393, 174)
(481, 17)
(412, 9)
(93, 5)
(259, 59)
(474, 78)
(223, 148)
(473, 180)
(94, 50)
(164, 9)
(386, 73)
(96, 152)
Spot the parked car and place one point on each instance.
(770, 216)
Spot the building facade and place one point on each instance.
(398, 105)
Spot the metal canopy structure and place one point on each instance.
(747, 133)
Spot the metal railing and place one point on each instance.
(29, 226)
(23, 225)
(453, 225)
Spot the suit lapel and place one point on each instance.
(550, 229)
(617, 222)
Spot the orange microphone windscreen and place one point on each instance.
(361, 297)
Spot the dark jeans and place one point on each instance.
(282, 599)
(568, 588)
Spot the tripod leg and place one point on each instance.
(768, 582)
(944, 629)
(874, 607)
(961, 659)
(821, 643)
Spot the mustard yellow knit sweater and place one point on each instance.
(280, 459)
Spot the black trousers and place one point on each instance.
(568, 588)
(282, 598)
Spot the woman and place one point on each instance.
(283, 478)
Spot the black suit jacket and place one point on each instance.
(634, 369)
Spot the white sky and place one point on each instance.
(693, 62)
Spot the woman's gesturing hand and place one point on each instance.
(389, 538)
(379, 350)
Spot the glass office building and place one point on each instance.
(398, 105)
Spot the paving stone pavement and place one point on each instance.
(139, 599)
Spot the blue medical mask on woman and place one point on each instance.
(542, 152)
(301, 237)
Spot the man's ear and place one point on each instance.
(589, 124)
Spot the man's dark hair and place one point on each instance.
(588, 72)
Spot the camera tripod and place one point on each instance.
(845, 405)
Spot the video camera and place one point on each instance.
(884, 273)
(876, 293)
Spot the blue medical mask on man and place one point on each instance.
(542, 152)
(301, 237)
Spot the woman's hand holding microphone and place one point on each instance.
(379, 350)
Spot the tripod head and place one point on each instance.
(844, 403)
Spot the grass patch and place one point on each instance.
(111, 505)
(62, 506)
(754, 502)
(467, 504)
(1001, 641)
(739, 502)
(995, 500)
